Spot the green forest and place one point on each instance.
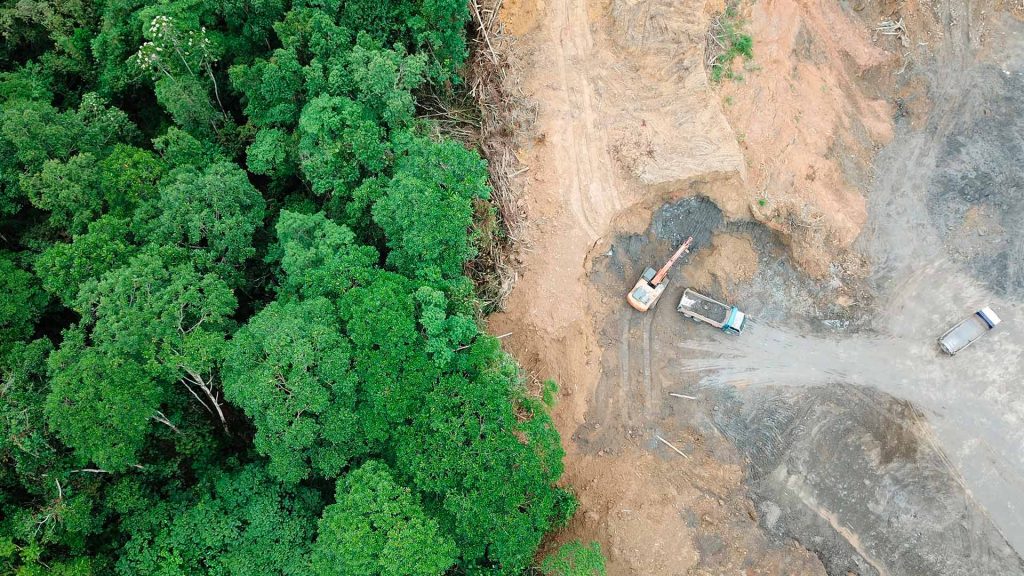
(236, 333)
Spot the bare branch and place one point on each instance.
(669, 444)
(159, 417)
(206, 385)
(483, 32)
(186, 381)
(216, 91)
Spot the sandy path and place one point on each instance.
(578, 142)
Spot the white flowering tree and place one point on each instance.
(180, 61)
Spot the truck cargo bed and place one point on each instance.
(711, 311)
(967, 331)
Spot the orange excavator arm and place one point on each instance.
(668, 265)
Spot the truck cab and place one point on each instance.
(734, 324)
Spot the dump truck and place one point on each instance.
(700, 308)
(651, 285)
(968, 330)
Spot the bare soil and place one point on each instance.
(855, 193)
(810, 123)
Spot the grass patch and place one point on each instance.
(549, 393)
(727, 41)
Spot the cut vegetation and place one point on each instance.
(727, 41)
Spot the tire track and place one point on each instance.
(624, 382)
(592, 196)
(650, 402)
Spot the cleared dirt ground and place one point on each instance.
(856, 193)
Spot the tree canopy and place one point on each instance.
(237, 336)
(376, 526)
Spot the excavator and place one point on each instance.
(651, 285)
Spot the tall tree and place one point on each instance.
(22, 303)
(468, 428)
(273, 89)
(427, 212)
(33, 132)
(64, 268)
(180, 56)
(150, 331)
(79, 190)
(232, 523)
(212, 213)
(319, 257)
(340, 144)
(377, 527)
(100, 405)
(388, 353)
(47, 512)
(289, 369)
(384, 81)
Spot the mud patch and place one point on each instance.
(809, 125)
(841, 469)
(977, 195)
(744, 263)
(632, 407)
(618, 269)
(892, 429)
(851, 473)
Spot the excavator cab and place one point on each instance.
(644, 296)
(651, 285)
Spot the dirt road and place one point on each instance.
(832, 437)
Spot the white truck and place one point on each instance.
(968, 330)
(700, 308)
